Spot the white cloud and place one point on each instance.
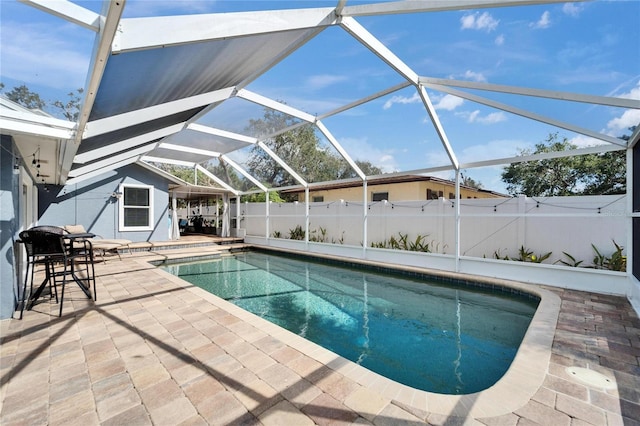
(572, 9)
(494, 117)
(449, 103)
(475, 76)
(619, 125)
(634, 93)
(475, 117)
(321, 81)
(477, 21)
(543, 22)
(360, 149)
(499, 41)
(629, 118)
(582, 141)
(401, 100)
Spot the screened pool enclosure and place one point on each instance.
(210, 92)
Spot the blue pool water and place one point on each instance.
(443, 339)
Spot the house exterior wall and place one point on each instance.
(90, 203)
(9, 226)
(401, 191)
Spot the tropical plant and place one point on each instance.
(403, 243)
(524, 255)
(570, 262)
(297, 233)
(615, 262)
(318, 235)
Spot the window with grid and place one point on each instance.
(136, 207)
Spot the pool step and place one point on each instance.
(177, 245)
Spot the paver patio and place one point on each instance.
(155, 350)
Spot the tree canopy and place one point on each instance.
(301, 149)
(22, 95)
(591, 174)
(25, 97)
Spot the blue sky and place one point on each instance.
(590, 48)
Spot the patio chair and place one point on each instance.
(48, 246)
(101, 245)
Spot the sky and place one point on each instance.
(588, 48)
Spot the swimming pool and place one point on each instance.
(451, 339)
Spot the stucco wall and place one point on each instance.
(396, 192)
(90, 203)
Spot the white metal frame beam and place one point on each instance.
(374, 45)
(127, 119)
(412, 6)
(542, 156)
(527, 114)
(435, 120)
(126, 144)
(112, 11)
(68, 11)
(278, 106)
(243, 172)
(189, 150)
(217, 180)
(222, 133)
(102, 164)
(173, 161)
(100, 171)
(282, 163)
(365, 100)
(32, 124)
(540, 93)
(164, 173)
(163, 31)
(340, 149)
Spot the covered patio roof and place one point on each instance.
(160, 88)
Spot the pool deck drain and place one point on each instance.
(155, 350)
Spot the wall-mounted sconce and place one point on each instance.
(116, 195)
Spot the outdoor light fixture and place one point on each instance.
(36, 161)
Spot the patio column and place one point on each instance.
(237, 231)
(633, 203)
(306, 217)
(457, 221)
(365, 218)
(267, 219)
(225, 216)
(174, 231)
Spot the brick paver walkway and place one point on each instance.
(152, 351)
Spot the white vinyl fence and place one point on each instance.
(488, 227)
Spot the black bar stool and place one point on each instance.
(49, 246)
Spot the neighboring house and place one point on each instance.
(395, 188)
